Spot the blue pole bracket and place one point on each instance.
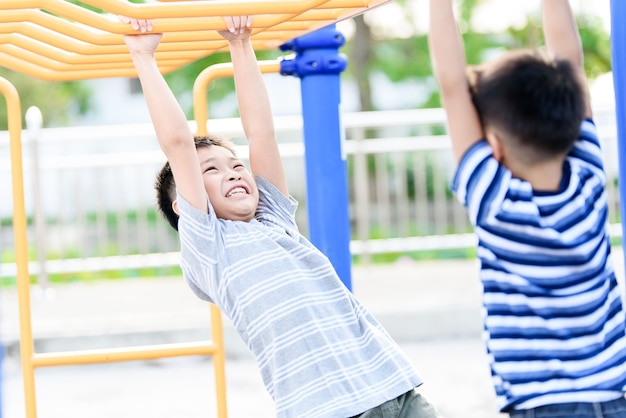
(326, 38)
(313, 62)
(316, 53)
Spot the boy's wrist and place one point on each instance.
(238, 42)
(142, 54)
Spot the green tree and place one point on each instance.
(406, 59)
(58, 101)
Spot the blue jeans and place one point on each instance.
(610, 409)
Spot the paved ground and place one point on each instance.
(455, 372)
(431, 308)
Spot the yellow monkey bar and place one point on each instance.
(58, 41)
(200, 107)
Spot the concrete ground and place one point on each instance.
(431, 308)
(455, 371)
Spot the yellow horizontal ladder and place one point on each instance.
(56, 40)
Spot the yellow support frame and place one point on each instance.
(201, 84)
(56, 40)
(31, 360)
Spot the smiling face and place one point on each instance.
(231, 188)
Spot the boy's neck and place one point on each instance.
(544, 176)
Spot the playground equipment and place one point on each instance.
(57, 40)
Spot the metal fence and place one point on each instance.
(90, 200)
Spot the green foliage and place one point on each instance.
(402, 59)
(89, 276)
(595, 41)
(408, 59)
(448, 254)
(596, 45)
(57, 100)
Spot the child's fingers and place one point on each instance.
(238, 24)
(142, 25)
(230, 24)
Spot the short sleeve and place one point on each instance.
(475, 179)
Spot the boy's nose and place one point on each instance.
(234, 176)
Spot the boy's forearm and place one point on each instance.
(561, 32)
(168, 119)
(256, 115)
(446, 46)
(253, 99)
(563, 39)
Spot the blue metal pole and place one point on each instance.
(618, 52)
(318, 64)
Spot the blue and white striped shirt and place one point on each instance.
(320, 352)
(553, 316)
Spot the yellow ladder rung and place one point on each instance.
(150, 352)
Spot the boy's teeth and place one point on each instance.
(237, 190)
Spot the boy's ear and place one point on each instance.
(175, 207)
(496, 144)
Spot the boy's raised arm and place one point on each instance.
(562, 36)
(448, 61)
(168, 119)
(254, 104)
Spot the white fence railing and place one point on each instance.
(90, 201)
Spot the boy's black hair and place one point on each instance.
(166, 187)
(535, 102)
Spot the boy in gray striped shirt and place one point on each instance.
(531, 175)
(320, 353)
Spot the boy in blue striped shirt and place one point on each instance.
(531, 175)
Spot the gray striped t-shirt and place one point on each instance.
(320, 352)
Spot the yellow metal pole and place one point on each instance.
(201, 112)
(200, 85)
(21, 244)
(195, 8)
(200, 106)
(219, 360)
(112, 355)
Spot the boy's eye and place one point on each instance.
(239, 165)
(210, 168)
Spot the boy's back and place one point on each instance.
(553, 317)
(554, 322)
